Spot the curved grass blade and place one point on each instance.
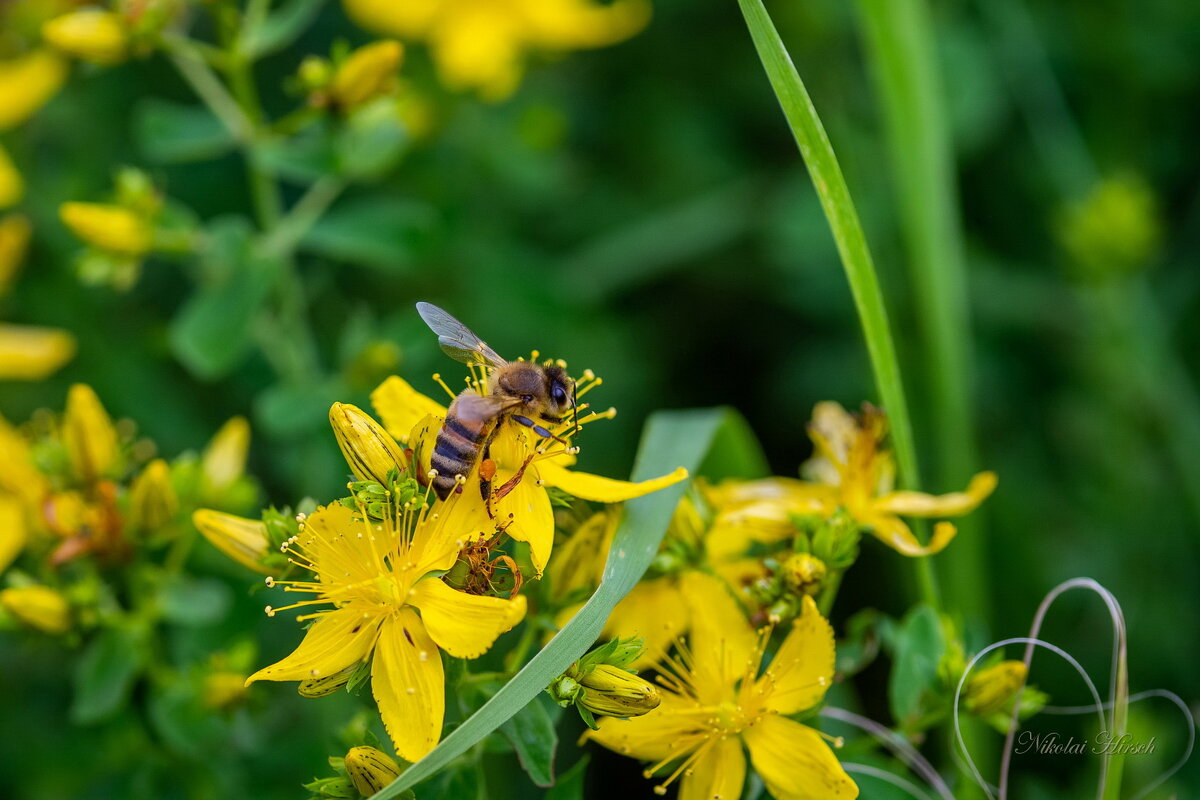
(834, 195)
(670, 439)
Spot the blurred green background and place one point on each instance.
(642, 210)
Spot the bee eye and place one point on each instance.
(559, 394)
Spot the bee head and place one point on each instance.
(559, 390)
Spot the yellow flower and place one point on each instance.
(377, 575)
(656, 609)
(19, 476)
(480, 45)
(370, 769)
(89, 435)
(108, 227)
(224, 460)
(243, 540)
(26, 353)
(851, 471)
(26, 83)
(38, 606)
(525, 510)
(715, 702)
(368, 72)
(91, 34)
(12, 186)
(13, 530)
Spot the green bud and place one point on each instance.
(565, 690)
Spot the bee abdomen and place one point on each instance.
(454, 454)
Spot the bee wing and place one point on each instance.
(456, 339)
(472, 407)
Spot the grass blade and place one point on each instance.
(835, 199)
(671, 439)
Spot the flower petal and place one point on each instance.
(795, 762)
(400, 406)
(954, 504)
(464, 625)
(722, 640)
(89, 434)
(656, 611)
(337, 640)
(802, 669)
(671, 730)
(720, 773)
(243, 540)
(529, 515)
(603, 490)
(892, 531)
(460, 520)
(12, 530)
(409, 685)
(30, 354)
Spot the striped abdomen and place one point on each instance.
(458, 444)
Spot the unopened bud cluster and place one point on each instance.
(601, 683)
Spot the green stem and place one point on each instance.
(829, 590)
(839, 209)
(303, 215)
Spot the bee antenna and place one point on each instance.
(575, 405)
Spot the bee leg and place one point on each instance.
(512, 482)
(487, 471)
(538, 429)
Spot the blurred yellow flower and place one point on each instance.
(26, 353)
(716, 701)
(89, 436)
(27, 83)
(367, 73)
(12, 186)
(243, 540)
(152, 499)
(38, 606)
(377, 575)
(13, 530)
(850, 470)
(223, 689)
(90, 34)
(224, 459)
(415, 419)
(108, 227)
(481, 45)
(990, 689)
(1115, 230)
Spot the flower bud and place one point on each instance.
(26, 83)
(370, 770)
(89, 435)
(990, 689)
(13, 530)
(224, 459)
(39, 606)
(152, 499)
(91, 34)
(565, 690)
(224, 689)
(369, 450)
(12, 186)
(1116, 230)
(14, 240)
(804, 573)
(613, 691)
(108, 227)
(326, 684)
(243, 540)
(366, 73)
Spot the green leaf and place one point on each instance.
(281, 28)
(670, 439)
(171, 133)
(186, 600)
(465, 780)
(105, 673)
(384, 232)
(919, 648)
(531, 732)
(213, 332)
(569, 785)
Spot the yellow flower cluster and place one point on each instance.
(482, 45)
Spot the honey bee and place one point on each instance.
(524, 392)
